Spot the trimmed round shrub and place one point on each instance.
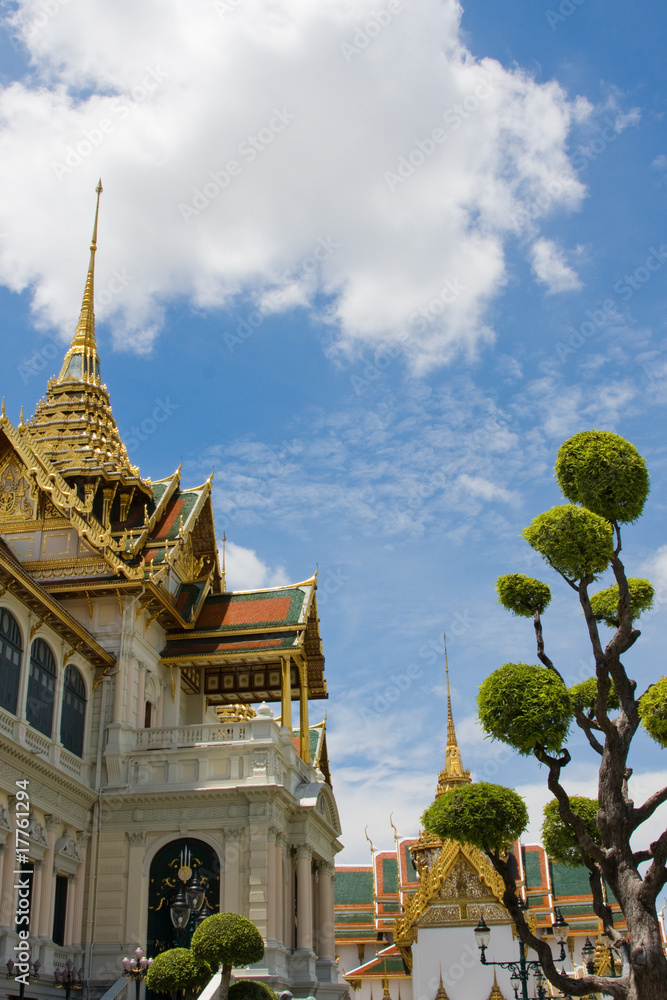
(574, 541)
(526, 706)
(559, 840)
(604, 473)
(251, 989)
(604, 604)
(487, 816)
(522, 595)
(227, 939)
(653, 711)
(177, 969)
(583, 695)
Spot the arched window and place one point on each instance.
(11, 648)
(41, 687)
(73, 715)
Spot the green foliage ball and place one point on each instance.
(251, 989)
(583, 695)
(227, 939)
(604, 604)
(559, 840)
(653, 711)
(604, 473)
(574, 541)
(177, 969)
(487, 816)
(526, 706)
(522, 595)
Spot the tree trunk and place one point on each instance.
(225, 976)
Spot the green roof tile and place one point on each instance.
(353, 887)
(389, 876)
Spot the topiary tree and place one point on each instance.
(226, 940)
(251, 989)
(529, 707)
(175, 970)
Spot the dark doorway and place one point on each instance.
(167, 874)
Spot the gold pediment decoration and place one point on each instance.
(18, 496)
(460, 885)
(188, 566)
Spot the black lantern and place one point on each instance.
(560, 929)
(587, 954)
(195, 893)
(180, 910)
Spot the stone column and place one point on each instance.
(7, 886)
(304, 899)
(82, 841)
(279, 884)
(230, 897)
(271, 892)
(36, 897)
(288, 916)
(325, 930)
(69, 916)
(45, 927)
(133, 911)
(141, 696)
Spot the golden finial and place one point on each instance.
(82, 363)
(442, 992)
(398, 859)
(3, 406)
(21, 423)
(453, 772)
(386, 995)
(224, 573)
(369, 841)
(496, 992)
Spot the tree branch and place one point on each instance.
(570, 818)
(641, 814)
(617, 988)
(656, 876)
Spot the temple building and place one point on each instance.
(405, 923)
(149, 771)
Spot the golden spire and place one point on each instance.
(386, 995)
(496, 992)
(453, 772)
(82, 363)
(442, 992)
(224, 572)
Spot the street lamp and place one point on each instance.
(521, 970)
(69, 978)
(560, 930)
(136, 968)
(14, 971)
(180, 910)
(587, 954)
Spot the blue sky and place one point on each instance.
(373, 262)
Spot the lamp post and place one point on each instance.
(69, 978)
(522, 970)
(14, 971)
(136, 968)
(189, 901)
(588, 954)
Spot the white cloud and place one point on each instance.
(413, 181)
(246, 571)
(551, 268)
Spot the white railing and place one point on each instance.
(118, 991)
(35, 741)
(6, 723)
(71, 763)
(190, 736)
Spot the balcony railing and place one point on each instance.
(191, 736)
